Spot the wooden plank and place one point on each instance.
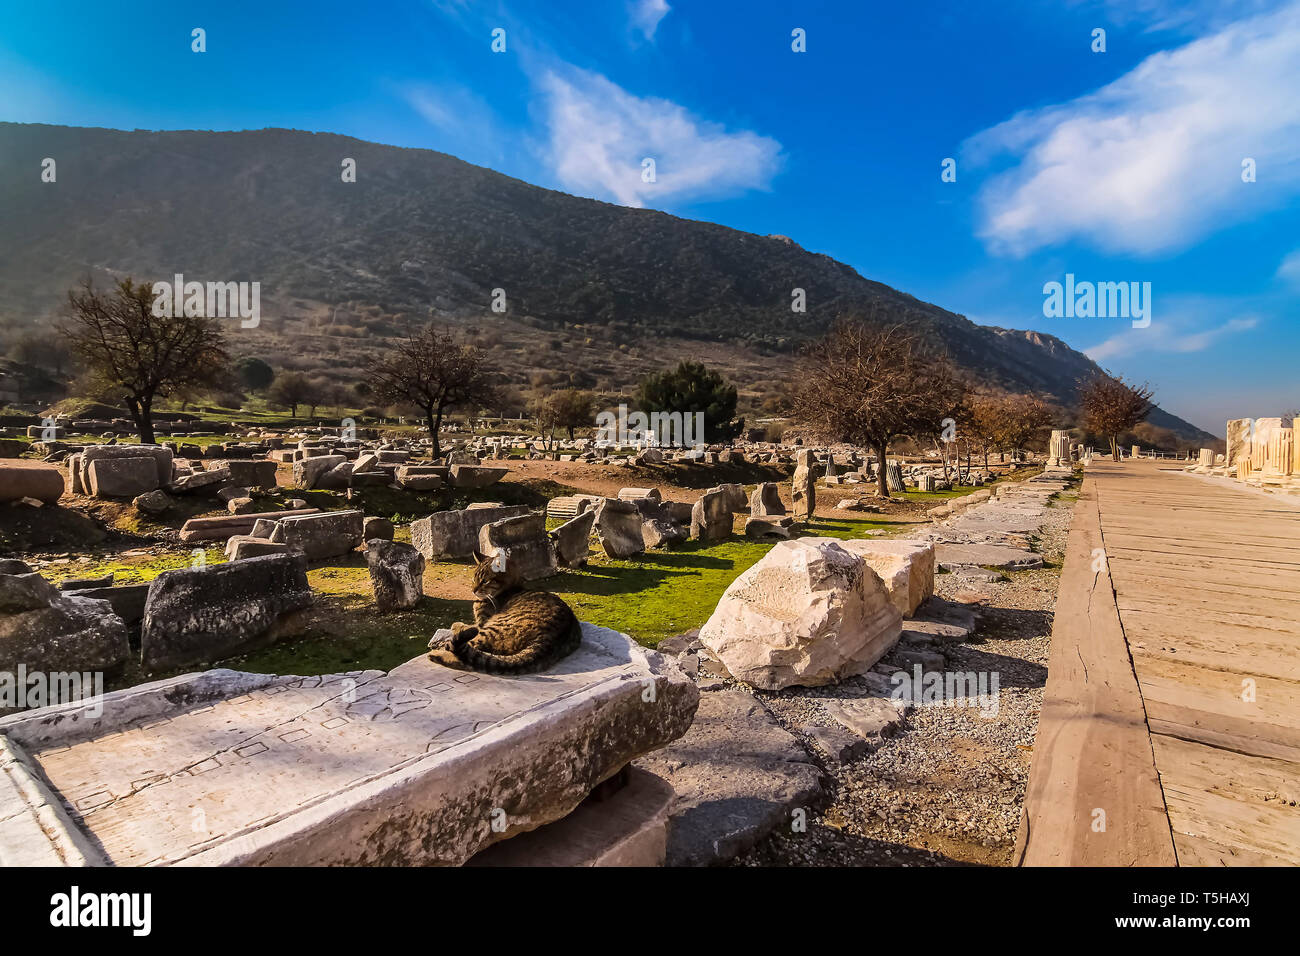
(1232, 800)
(1092, 752)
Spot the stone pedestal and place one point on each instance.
(421, 766)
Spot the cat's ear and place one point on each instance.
(479, 556)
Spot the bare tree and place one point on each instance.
(1112, 406)
(1022, 416)
(869, 385)
(129, 351)
(435, 371)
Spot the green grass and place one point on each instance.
(650, 597)
(132, 572)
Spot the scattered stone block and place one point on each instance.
(321, 536)
(630, 828)
(950, 556)
(380, 528)
(572, 540)
(475, 477)
(250, 473)
(454, 534)
(45, 629)
(30, 479)
(201, 482)
(126, 600)
(122, 477)
(734, 495)
(738, 775)
(618, 528)
(154, 502)
(161, 455)
(520, 545)
(871, 718)
(396, 573)
(241, 546)
(310, 473)
(711, 517)
(208, 613)
(766, 501)
(774, 527)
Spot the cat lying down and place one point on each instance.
(514, 631)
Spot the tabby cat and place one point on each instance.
(514, 631)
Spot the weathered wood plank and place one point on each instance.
(1092, 754)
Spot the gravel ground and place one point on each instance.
(947, 788)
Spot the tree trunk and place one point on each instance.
(141, 414)
(1114, 447)
(882, 479)
(433, 419)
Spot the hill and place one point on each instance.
(596, 294)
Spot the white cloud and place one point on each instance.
(646, 15)
(1152, 162)
(1165, 337)
(1157, 15)
(1289, 270)
(598, 134)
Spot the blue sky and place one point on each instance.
(1123, 165)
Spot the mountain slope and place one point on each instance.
(424, 234)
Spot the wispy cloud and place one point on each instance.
(598, 135)
(646, 15)
(1160, 15)
(1289, 270)
(1152, 162)
(1166, 337)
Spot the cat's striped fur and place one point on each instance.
(514, 631)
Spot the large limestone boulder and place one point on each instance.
(30, 479)
(906, 567)
(213, 612)
(809, 613)
(46, 630)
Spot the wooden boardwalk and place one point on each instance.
(1172, 703)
